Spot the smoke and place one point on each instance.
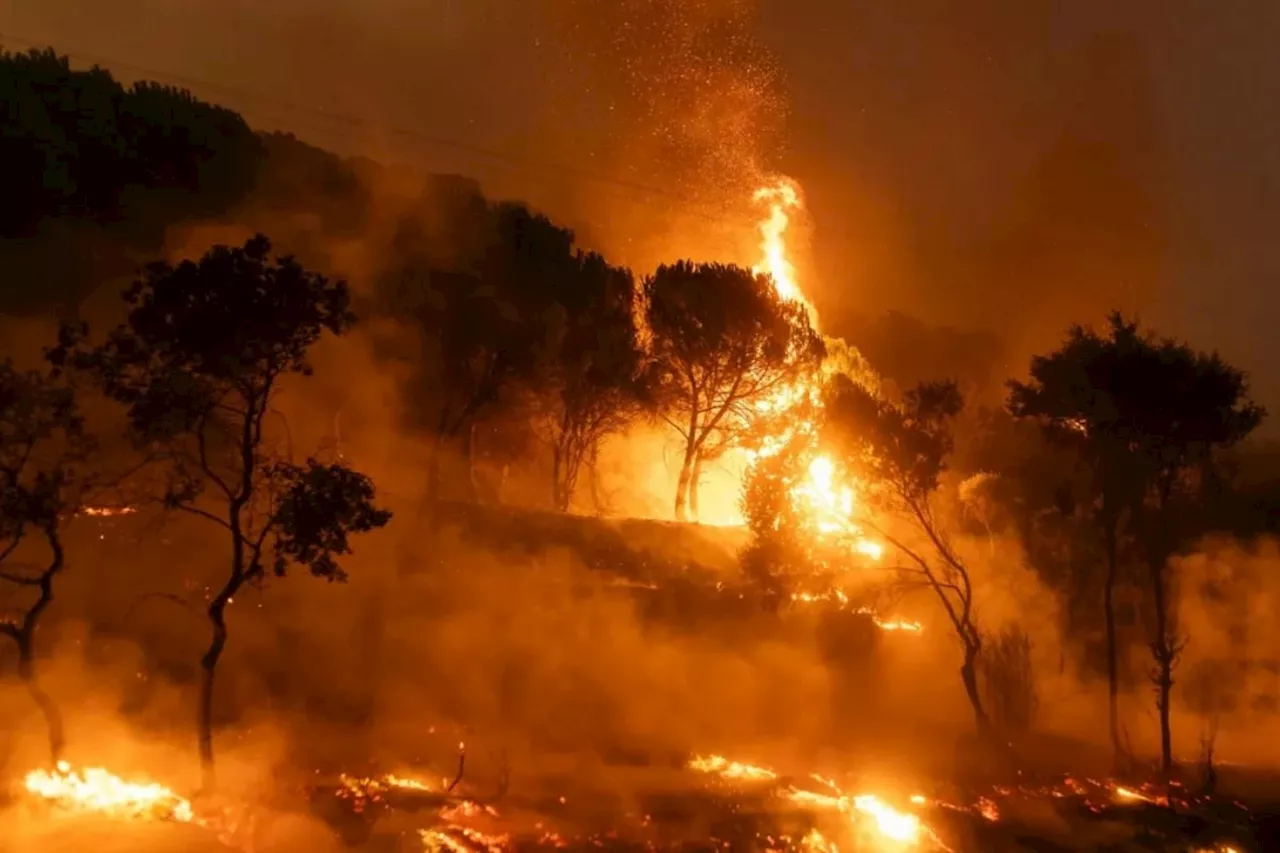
(1229, 675)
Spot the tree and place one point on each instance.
(1074, 393)
(486, 325)
(595, 370)
(1145, 414)
(41, 445)
(198, 364)
(95, 171)
(900, 452)
(723, 341)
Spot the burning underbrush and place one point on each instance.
(706, 802)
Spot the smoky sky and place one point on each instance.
(1008, 165)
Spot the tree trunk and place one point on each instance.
(969, 675)
(1165, 655)
(558, 501)
(25, 637)
(695, 479)
(209, 664)
(1109, 619)
(52, 717)
(682, 489)
(597, 505)
(691, 443)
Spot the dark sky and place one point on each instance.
(1003, 164)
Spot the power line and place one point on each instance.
(343, 122)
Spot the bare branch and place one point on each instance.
(13, 546)
(195, 510)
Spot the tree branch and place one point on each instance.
(13, 546)
(195, 510)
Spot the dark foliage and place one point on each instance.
(74, 142)
(1145, 416)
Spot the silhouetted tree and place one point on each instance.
(1146, 414)
(485, 327)
(901, 452)
(95, 171)
(723, 340)
(198, 363)
(594, 370)
(1074, 393)
(74, 141)
(41, 447)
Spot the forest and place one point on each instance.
(633, 559)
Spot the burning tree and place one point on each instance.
(901, 453)
(41, 446)
(1145, 414)
(723, 341)
(198, 363)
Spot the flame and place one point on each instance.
(362, 790)
(727, 769)
(100, 791)
(838, 595)
(781, 198)
(827, 504)
(107, 511)
(895, 829)
(893, 824)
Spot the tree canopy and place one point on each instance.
(722, 340)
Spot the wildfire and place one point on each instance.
(107, 511)
(723, 767)
(894, 829)
(782, 198)
(100, 791)
(899, 826)
(840, 597)
(363, 790)
(826, 503)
